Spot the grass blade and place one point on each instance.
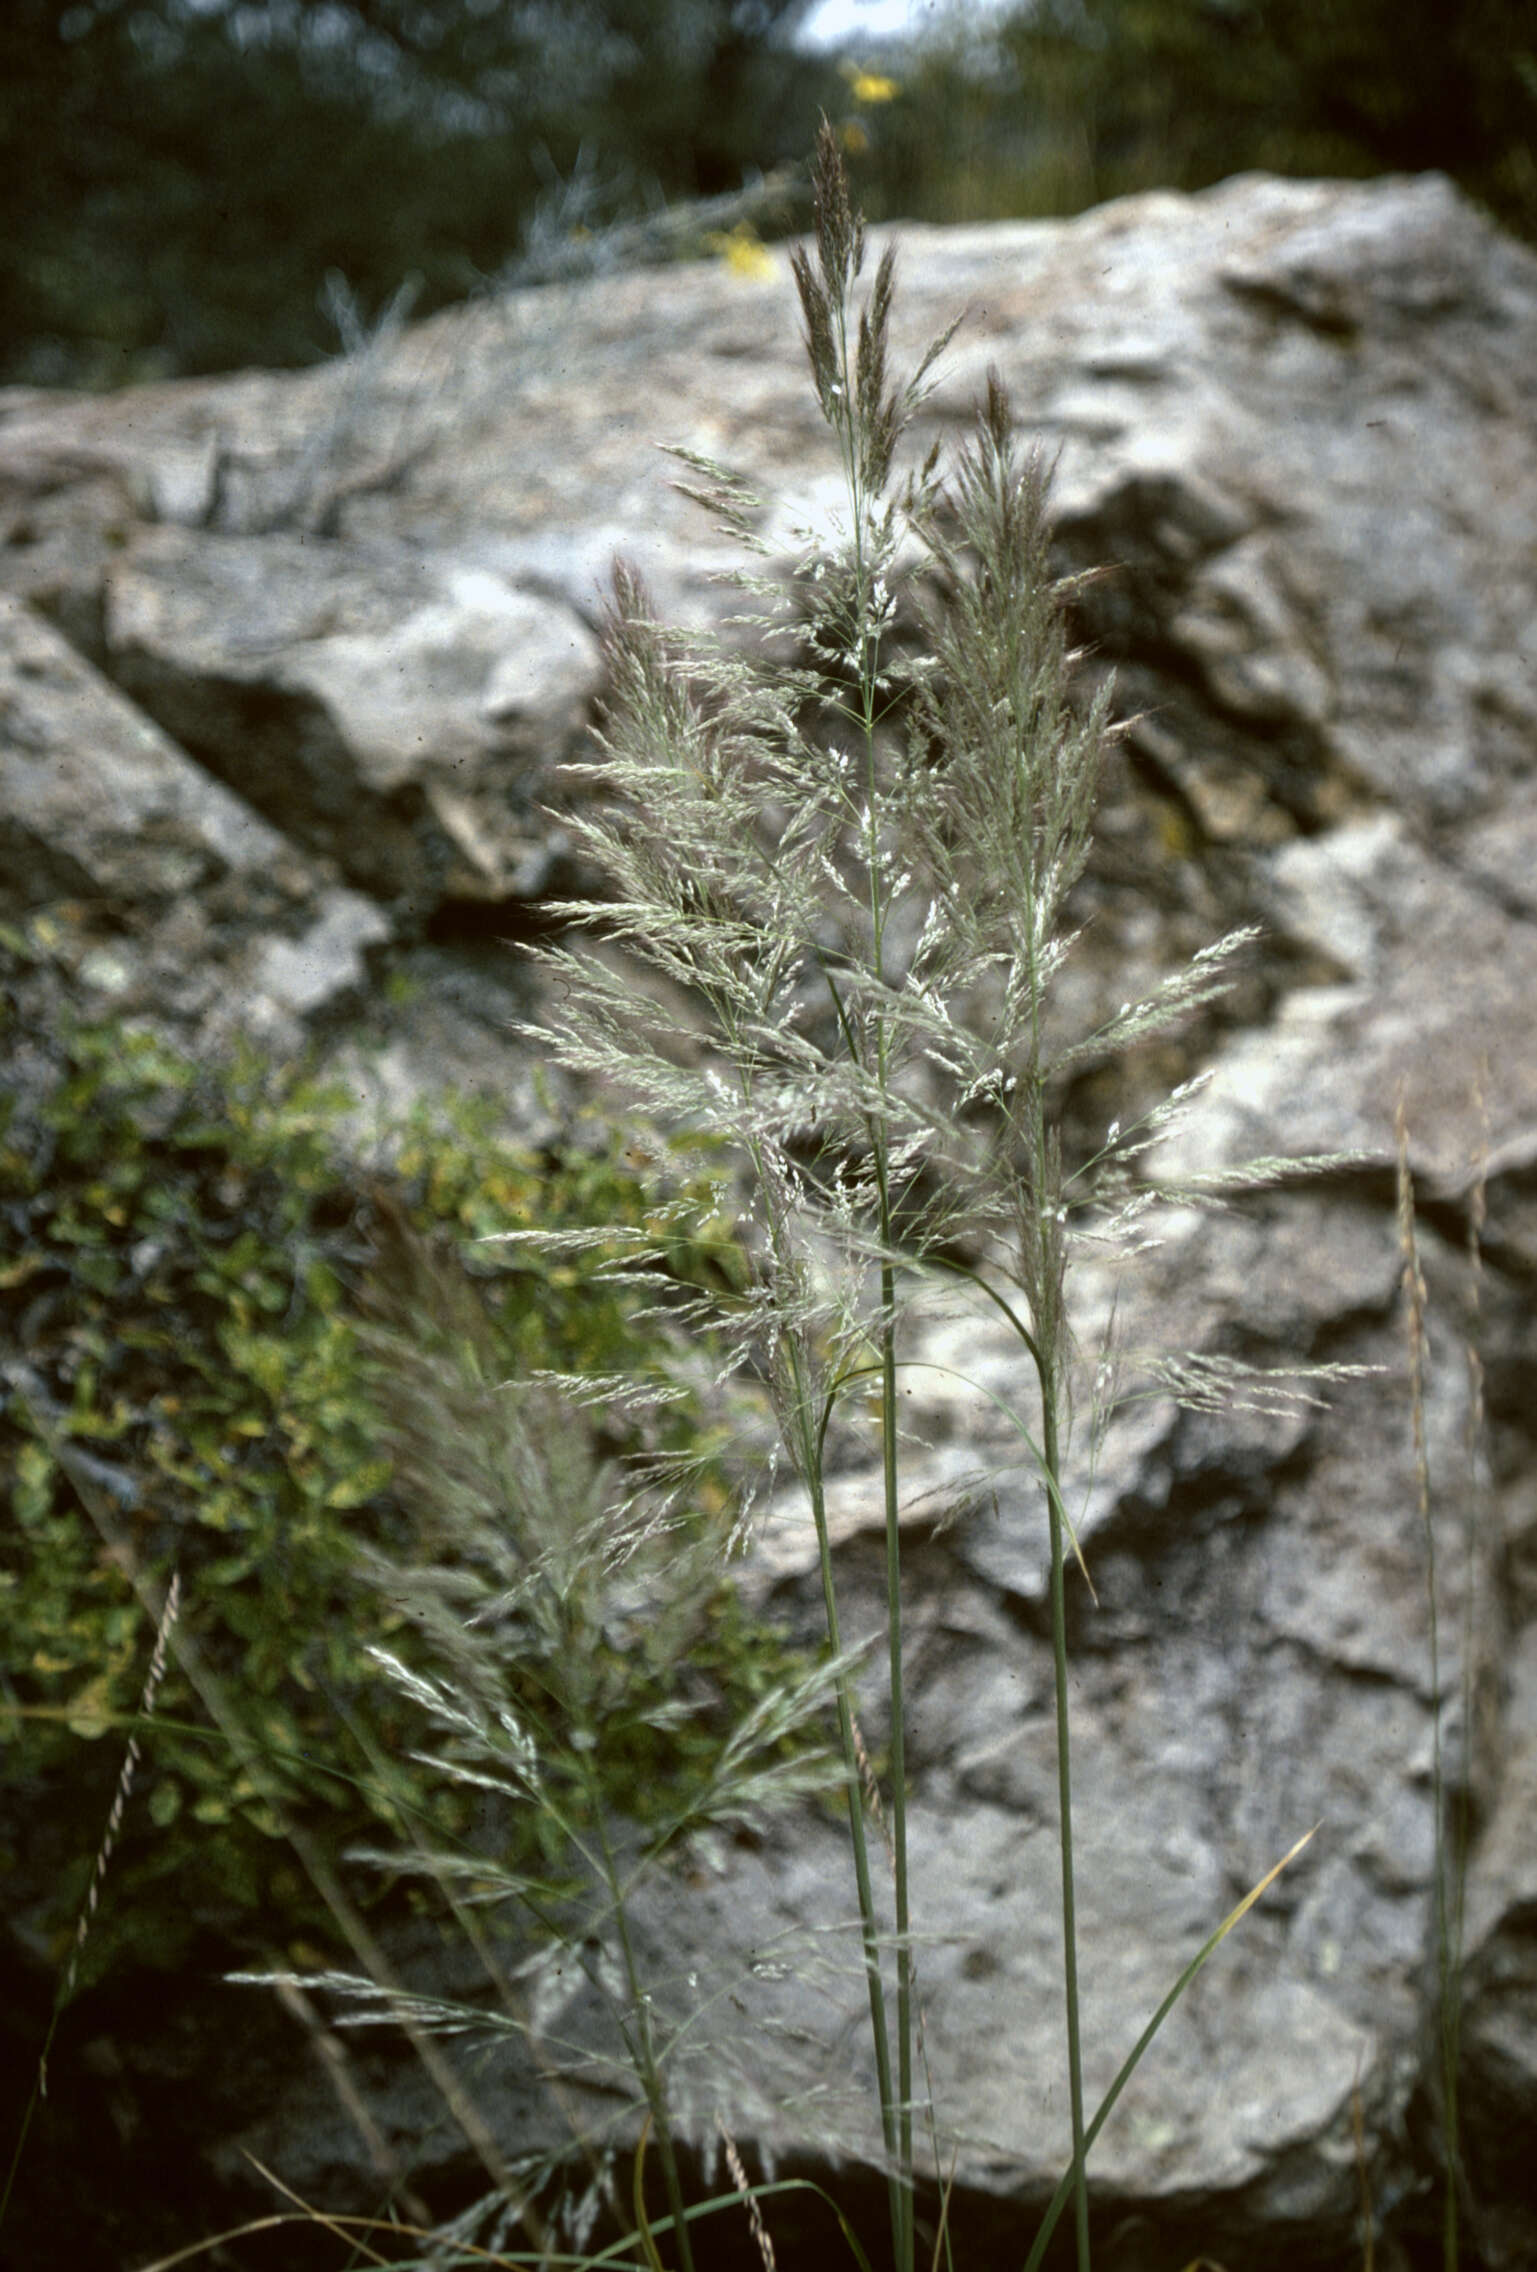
(1208, 1948)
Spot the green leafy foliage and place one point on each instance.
(200, 1368)
(1065, 103)
(160, 211)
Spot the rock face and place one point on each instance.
(286, 667)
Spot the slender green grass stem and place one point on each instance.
(1448, 1857)
(808, 1444)
(1050, 1447)
(1133, 2060)
(643, 2045)
(1046, 1347)
(867, 655)
(898, 1765)
(811, 1442)
(868, 1920)
(903, 2233)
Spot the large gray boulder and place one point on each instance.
(290, 664)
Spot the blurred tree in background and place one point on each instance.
(178, 177)
(1068, 102)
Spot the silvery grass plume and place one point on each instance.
(854, 868)
(538, 1605)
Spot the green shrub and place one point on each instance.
(202, 1368)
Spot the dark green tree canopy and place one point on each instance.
(179, 177)
(1069, 102)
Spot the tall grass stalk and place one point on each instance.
(1451, 1817)
(115, 1813)
(849, 863)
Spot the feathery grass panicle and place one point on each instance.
(831, 860)
(849, 867)
(760, 2231)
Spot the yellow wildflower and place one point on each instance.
(870, 86)
(741, 251)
